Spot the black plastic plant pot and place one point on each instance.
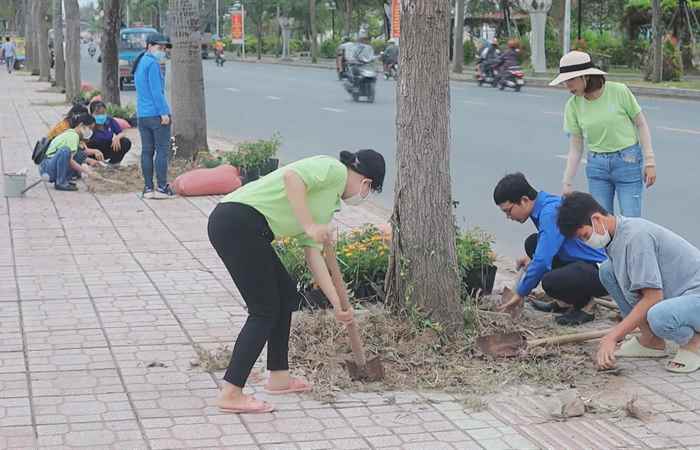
(480, 279)
(250, 174)
(269, 166)
(314, 299)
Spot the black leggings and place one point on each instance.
(106, 148)
(570, 282)
(242, 238)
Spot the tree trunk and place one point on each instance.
(33, 37)
(72, 49)
(657, 54)
(423, 273)
(348, 18)
(43, 41)
(60, 64)
(458, 52)
(314, 33)
(258, 35)
(110, 55)
(189, 109)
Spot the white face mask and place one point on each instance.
(599, 240)
(87, 133)
(357, 199)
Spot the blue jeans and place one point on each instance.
(675, 319)
(155, 140)
(619, 172)
(10, 62)
(58, 166)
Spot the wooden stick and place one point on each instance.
(569, 338)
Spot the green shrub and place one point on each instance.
(552, 46)
(469, 50)
(672, 63)
(125, 112)
(474, 250)
(296, 46)
(328, 47)
(272, 45)
(378, 45)
(253, 154)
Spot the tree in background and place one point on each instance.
(110, 54)
(59, 57)
(42, 23)
(458, 52)
(72, 49)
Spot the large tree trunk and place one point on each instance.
(259, 36)
(458, 52)
(34, 37)
(110, 55)
(60, 64)
(314, 33)
(348, 18)
(657, 53)
(43, 41)
(28, 36)
(189, 111)
(72, 49)
(423, 265)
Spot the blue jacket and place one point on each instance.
(551, 243)
(150, 88)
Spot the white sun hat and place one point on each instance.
(575, 64)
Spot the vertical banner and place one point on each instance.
(237, 33)
(395, 18)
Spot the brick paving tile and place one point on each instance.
(93, 435)
(71, 383)
(16, 438)
(14, 411)
(66, 339)
(13, 385)
(82, 408)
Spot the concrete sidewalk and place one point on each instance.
(96, 288)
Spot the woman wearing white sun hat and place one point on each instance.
(608, 118)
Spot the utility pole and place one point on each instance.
(567, 26)
(218, 16)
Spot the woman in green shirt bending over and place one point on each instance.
(608, 118)
(299, 201)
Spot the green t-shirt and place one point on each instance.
(606, 123)
(69, 138)
(325, 178)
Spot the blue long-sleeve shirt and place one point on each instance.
(551, 243)
(150, 88)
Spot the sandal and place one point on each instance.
(296, 385)
(688, 361)
(633, 349)
(250, 406)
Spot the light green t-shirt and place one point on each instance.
(69, 138)
(325, 178)
(606, 123)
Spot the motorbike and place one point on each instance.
(361, 82)
(92, 51)
(486, 73)
(391, 71)
(512, 77)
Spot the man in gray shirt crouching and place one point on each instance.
(652, 274)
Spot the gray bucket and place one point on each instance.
(15, 184)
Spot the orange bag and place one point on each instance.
(217, 181)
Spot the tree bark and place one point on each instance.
(189, 109)
(43, 40)
(423, 273)
(458, 52)
(259, 36)
(72, 49)
(60, 64)
(657, 44)
(110, 55)
(348, 17)
(33, 38)
(314, 33)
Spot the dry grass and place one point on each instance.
(123, 179)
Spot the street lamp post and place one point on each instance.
(218, 16)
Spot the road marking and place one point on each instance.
(335, 110)
(680, 130)
(651, 108)
(472, 102)
(554, 113)
(272, 97)
(532, 95)
(233, 89)
(583, 160)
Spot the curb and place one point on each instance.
(685, 94)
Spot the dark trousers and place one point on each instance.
(106, 148)
(242, 238)
(574, 283)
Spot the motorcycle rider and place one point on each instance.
(488, 58)
(362, 53)
(92, 49)
(509, 59)
(342, 53)
(219, 51)
(390, 55)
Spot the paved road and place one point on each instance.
(493, 133)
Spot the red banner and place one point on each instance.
(395, 18)
(237, 34)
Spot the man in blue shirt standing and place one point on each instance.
(567, 268)
(153, 115)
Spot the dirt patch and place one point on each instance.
(122, 179)
(421, 359)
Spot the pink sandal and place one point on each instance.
(251, 406)
(296, 385)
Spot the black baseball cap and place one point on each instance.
(366, 162)
(158, 39)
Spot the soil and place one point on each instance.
(122, 179)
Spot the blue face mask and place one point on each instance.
(101, 119)
(159, 55)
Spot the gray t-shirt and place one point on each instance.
(648, 256)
